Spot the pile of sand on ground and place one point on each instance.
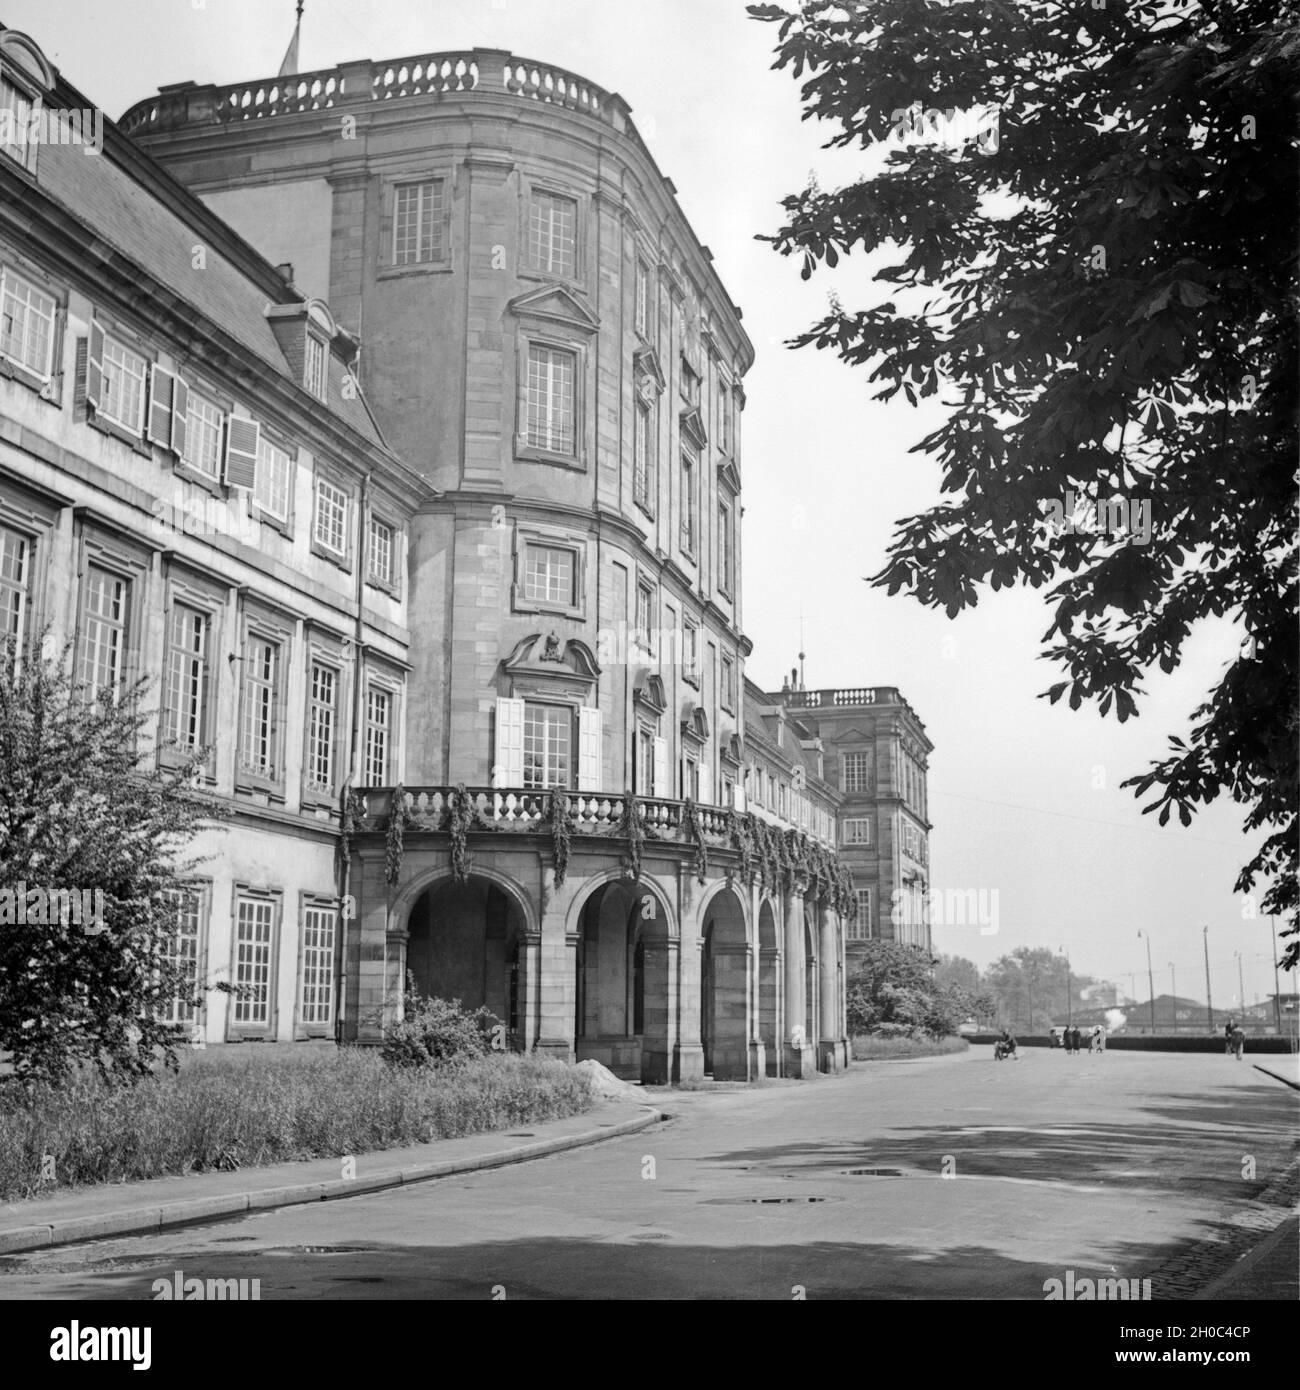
(606, 1086)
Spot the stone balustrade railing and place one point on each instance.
(429, 74)
(830, 699)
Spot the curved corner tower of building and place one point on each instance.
(544, 340)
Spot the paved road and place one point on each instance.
(1106, 1165)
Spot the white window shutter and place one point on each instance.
(589, 751)
(737, 797)
(243, 438)
(706, 784)
(661, 786)
(94, 366)
(508, 770)
(180, 418)
(162, 396)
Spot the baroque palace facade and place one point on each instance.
(472, 663)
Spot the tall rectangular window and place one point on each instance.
(186, 694)
(724, 418)
(27, 317)
(271, 486)
(641, 447)
(316, 1005)
(690, 651)
(203, 421)
(642, 315)
(549, 575)
(102, 657)
(690, 384)
(857, 772)
(322, 715)
(254, 963)
(552, 386)
(688, 528)
(122, 393)
(15, 588)
(728, 683)
(331, 517)
(548, 738)
(379, 551)
(185, 953)
(379, 736)
(418, 222)
(644, 622)
(553, 235)
(645, 762)
(724, 547)
(260, 736)
(315, 367)
(860, 929)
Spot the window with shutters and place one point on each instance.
(378, 737)
(691, 779)
(28, 319)
(186, 950)
(271, 488)
(332, 521)
(17, 553)
(316, 967)
(548, 743)
(204, 421)
(380, 548)
(186, 694)
(644, 758)
(122, 386)
(261, 702)
(553, 235)
(322, 727)
(253, 1006)
(101, 654)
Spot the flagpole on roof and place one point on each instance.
(290, 65)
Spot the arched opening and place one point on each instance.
(464, 943)
(724, 989)
(617, 964)
(812, 1022)
(769, 973)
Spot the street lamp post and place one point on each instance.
(1209, 998)
(1151, 978)
(1069, 993)
(1173, 989)
(1277, 988)
(1241, 987)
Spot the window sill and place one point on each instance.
(530, 453)
(519, 604)
(269, 792)
(643, 508)
(255, 509)
(573, 282)
(136, 442)
(48, 388)
(398, 272)
(384, 587)
(188, 473)
(323, 552)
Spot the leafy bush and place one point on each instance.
(237, 1108)
(436, 1031)
(893, 993)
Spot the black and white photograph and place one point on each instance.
(648, 652)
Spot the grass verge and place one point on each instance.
(261, 1109)
(872, 1049)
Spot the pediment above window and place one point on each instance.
(647, 374)
(733, 750)
(695, 722)
(546, 663)
(555, 304)
(22, 54)
(729, 475)
(648, 693)
(692, 423)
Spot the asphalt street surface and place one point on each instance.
(955, 1178)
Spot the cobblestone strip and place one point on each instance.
(1185, 1273)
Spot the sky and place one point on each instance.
(1024, 796)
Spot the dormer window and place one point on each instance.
(15, 122)
(315, 367)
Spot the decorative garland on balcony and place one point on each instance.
(399, 817)
(459, 817)
(631, 826)
(694, 832)
(557, 810)
(354, 812)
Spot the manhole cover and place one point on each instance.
(873, 1172)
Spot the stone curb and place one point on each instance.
(1284, 1231)
(150, 1220)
